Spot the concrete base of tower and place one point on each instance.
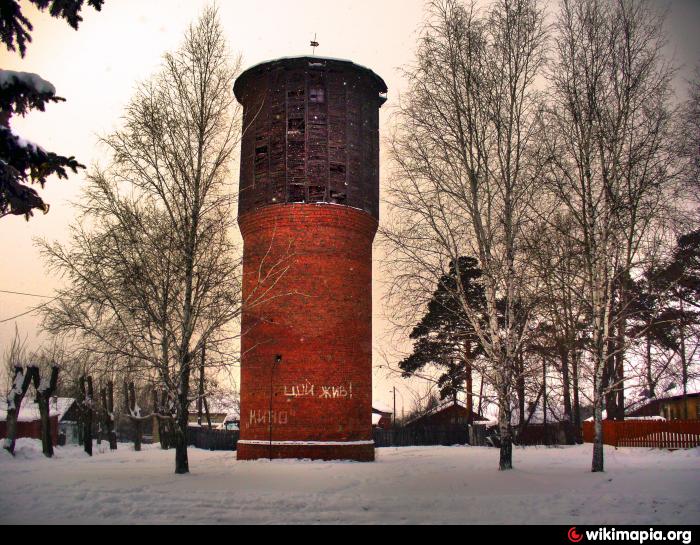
(359, 451)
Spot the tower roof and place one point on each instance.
(294, 62)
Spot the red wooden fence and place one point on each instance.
(671, 434)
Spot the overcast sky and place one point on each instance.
(96, 69)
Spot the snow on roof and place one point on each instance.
(233, 416)
(537, 416)
(29, 411)
(672, 394)
(381, 407)
(313, 60)
(376, 418)
(444, 404)
(40, 85)
(605, 415)
(229, 407)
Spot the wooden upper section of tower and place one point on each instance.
(310, 133)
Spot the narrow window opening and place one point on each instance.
(297, 193)
(337, 168)
(296, 126)
(338, 197)
(317, 193)
(317, 95)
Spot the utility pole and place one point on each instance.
(200, 397)
(394, 406)
(544, 399)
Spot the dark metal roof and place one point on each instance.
(296, 61)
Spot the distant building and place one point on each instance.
(224, 415)
(381, 417)
(63, 414)
(671, 408)
(447, 413)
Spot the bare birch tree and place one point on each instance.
(610, 119)
(687, 140)
(153, 274)
(466, 172)
(19, 379)
(561, 316)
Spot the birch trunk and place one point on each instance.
(20, 385)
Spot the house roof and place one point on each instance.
(309, 61)
(676, 397)
(444, 405)
(655, 401)
(29, 411)
(227, 407)
(379, 407)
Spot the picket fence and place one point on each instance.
(668, 434)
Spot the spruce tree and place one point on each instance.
(23, 162)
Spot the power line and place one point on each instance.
(34, 309)
(23, 293)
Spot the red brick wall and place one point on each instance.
(318, 317)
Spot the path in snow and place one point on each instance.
(411, 485)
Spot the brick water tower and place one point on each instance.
(308, 213)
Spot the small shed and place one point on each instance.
(449, 412)
(62, 413)
(381, 416)
(223, 412)
(677, 407)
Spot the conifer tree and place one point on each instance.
(444, 337)
(21, 161)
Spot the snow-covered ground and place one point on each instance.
(406, 485)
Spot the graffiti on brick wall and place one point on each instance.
(268, 417)
(300, 390)
(322, 392)
(336, 392)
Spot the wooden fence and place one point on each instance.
(205, 438)
(671, 434)
(540, 434)
(421, 435)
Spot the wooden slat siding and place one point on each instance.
(671, 434)
(317, 130)
(374, 127)
(296, 136)
(247, 187)
(326, 150)
(259, 137)
(355, 166)
(421, 436)
(277, 95)
(337, 153)
(207, 439)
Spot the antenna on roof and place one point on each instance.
(314, 45)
